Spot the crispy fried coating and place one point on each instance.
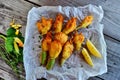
(55, 49)
(70, 26)
(67, 51)
(44, 26)
(46, 41)
(61, 37)
(78, 40)
(58, 23)
(86, 22)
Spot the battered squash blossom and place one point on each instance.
(58, 23)
(44, 25)
(60, 40)
(86, 22)
(45, 47)
(67, 51)
(61, 37)
(70, 26)
(54, 51)
(78, 40)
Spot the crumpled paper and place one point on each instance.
(75, 68)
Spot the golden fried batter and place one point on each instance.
(61, 37)
(58, 23)
(78, 40)
(70, 26)
(55, 49)
(67, 51)
(44, 26)
(86, 22)
(46, 42)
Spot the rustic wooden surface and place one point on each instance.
(111, 21)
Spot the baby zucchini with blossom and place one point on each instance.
(85, 22)
(17, 40)
(70, 26)
(78, 40)
(54, 51)
(45, 47)
(67, 51)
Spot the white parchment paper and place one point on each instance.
(75, 68)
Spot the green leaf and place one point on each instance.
(11, 32)
(9, 44)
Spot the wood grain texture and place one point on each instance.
(111, 10)
(9, 9)
(19, 9)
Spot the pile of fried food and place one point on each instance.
(61, 41)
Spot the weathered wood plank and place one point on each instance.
(111, 8)
(9, 9)
(113, 61)
(6, 72)
(13, 8)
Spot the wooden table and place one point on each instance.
(111, 21)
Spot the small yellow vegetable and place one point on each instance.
(17, 31)
(16, 47)
(16, 26)
(17, 40)
(87, 57)
(93, 49)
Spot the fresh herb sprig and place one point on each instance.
(12, 49)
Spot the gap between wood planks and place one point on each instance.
(35, 3)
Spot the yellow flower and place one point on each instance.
(17, 31)
(17, 40)
(54, 51)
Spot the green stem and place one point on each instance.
(62, 61)
(3, 36)
(44, 56)
(50, 64)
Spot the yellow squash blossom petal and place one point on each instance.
(17, 40)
